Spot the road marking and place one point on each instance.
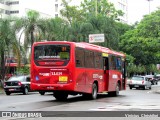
(127, 107)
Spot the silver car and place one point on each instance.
(140, 82)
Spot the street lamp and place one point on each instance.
(149, 4)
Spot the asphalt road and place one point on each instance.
(128, 100)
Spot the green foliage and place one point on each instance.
(23, 70)
(143, 42)
(8, 42)
(103, 7)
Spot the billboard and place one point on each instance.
(95, 38)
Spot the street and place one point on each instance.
(129, 100)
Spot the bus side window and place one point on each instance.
(118, 63)
(98, 60)
(79, 57)
(112, 62)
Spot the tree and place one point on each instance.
(72, 13)
(143, 42)
(29, 26)
(8, 41)
(102, 7)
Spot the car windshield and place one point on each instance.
(16, 78)
(138, 78)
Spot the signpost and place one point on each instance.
(96, 38)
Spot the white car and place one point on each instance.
(140, 82)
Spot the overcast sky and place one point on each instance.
(138, 8)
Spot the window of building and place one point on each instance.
(56, 7)
(56, 15)
(7, 12)
(14, 12)
(2, 1)
(12, 3)
(79, 57)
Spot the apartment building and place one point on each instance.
(49, 8)
(19, 8)
(121, 5)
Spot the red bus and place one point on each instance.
(73, 68)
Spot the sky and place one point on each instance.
(138, 8)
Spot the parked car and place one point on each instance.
(17, 84)
(140, 82)
(153, 79)
(157, 76)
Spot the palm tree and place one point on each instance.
(8, 41)
(53, 29)
(29, 26)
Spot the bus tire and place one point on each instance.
(94, 91)
(61, 96)
(115, 93)
(41, 92)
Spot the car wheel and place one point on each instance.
(8, 93)
(150, 87)
(145, 87)
(41, 92)
(25, 92)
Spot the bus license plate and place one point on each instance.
(63, 78)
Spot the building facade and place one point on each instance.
(19, 8)
(49, 8)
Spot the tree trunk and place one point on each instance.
(2, 65)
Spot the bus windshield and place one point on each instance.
(51, 55)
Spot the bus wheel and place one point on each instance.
(41, 92)
(117, 90)
(61, 96)
(94, 91)
(115, 93)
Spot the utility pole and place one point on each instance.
(149, 5)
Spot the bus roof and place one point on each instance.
(86, 45)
